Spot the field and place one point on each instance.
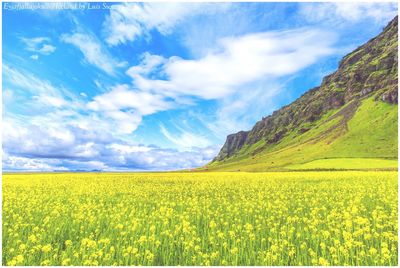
(287, 218)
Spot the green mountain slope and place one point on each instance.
(349, 122)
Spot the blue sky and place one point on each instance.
(158, 86)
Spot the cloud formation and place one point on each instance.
(129, 21)
(66, 147)
(239, 61)
(68, 135)
(185, 139)
(340, 12)
(38, 45)
(93, 51)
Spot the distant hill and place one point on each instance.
(349, 121)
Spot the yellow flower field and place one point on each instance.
(296, 218)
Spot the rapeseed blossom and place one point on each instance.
(299, 218)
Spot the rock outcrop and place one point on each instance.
(371, 69)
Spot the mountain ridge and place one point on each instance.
(370, 71)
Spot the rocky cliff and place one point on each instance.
(370, 70)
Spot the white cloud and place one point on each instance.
(47, 49)
(122, 97)
(94, 53)
(125, 121)
(161, 159)
(348, 11)
(39, 45)
(128, 21)
(25, 164)
(126, 106)
(128, 149)
(54, 145)
(185, 139)
(148, 64)
(239, 61)
(51, 100)
(34, 57)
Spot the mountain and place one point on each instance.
(350, 118)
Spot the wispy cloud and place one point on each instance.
(184, 139)
(39, 45)
(27, 83)
(93, 51)
(340, 12)
(129, 21)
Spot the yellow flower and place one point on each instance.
(234, 250)
(326, 234)
(323, 262)
(214, 255)
(248, 227)
(32, 238)
(142, 239)
(212, 224)
(65, 262)
(68, 243)
(45, 263)
(46, 248)
(367, 236)
(19, 259)
(12, 262)
(274, 248)
(372, 251)
(148, 255)
(291, 252)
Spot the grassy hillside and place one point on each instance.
(345, 164)
(352, 114)
(370, 134)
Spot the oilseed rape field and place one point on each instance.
(281, 218)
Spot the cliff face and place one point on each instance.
(370, 70)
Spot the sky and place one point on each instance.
(159, 86)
